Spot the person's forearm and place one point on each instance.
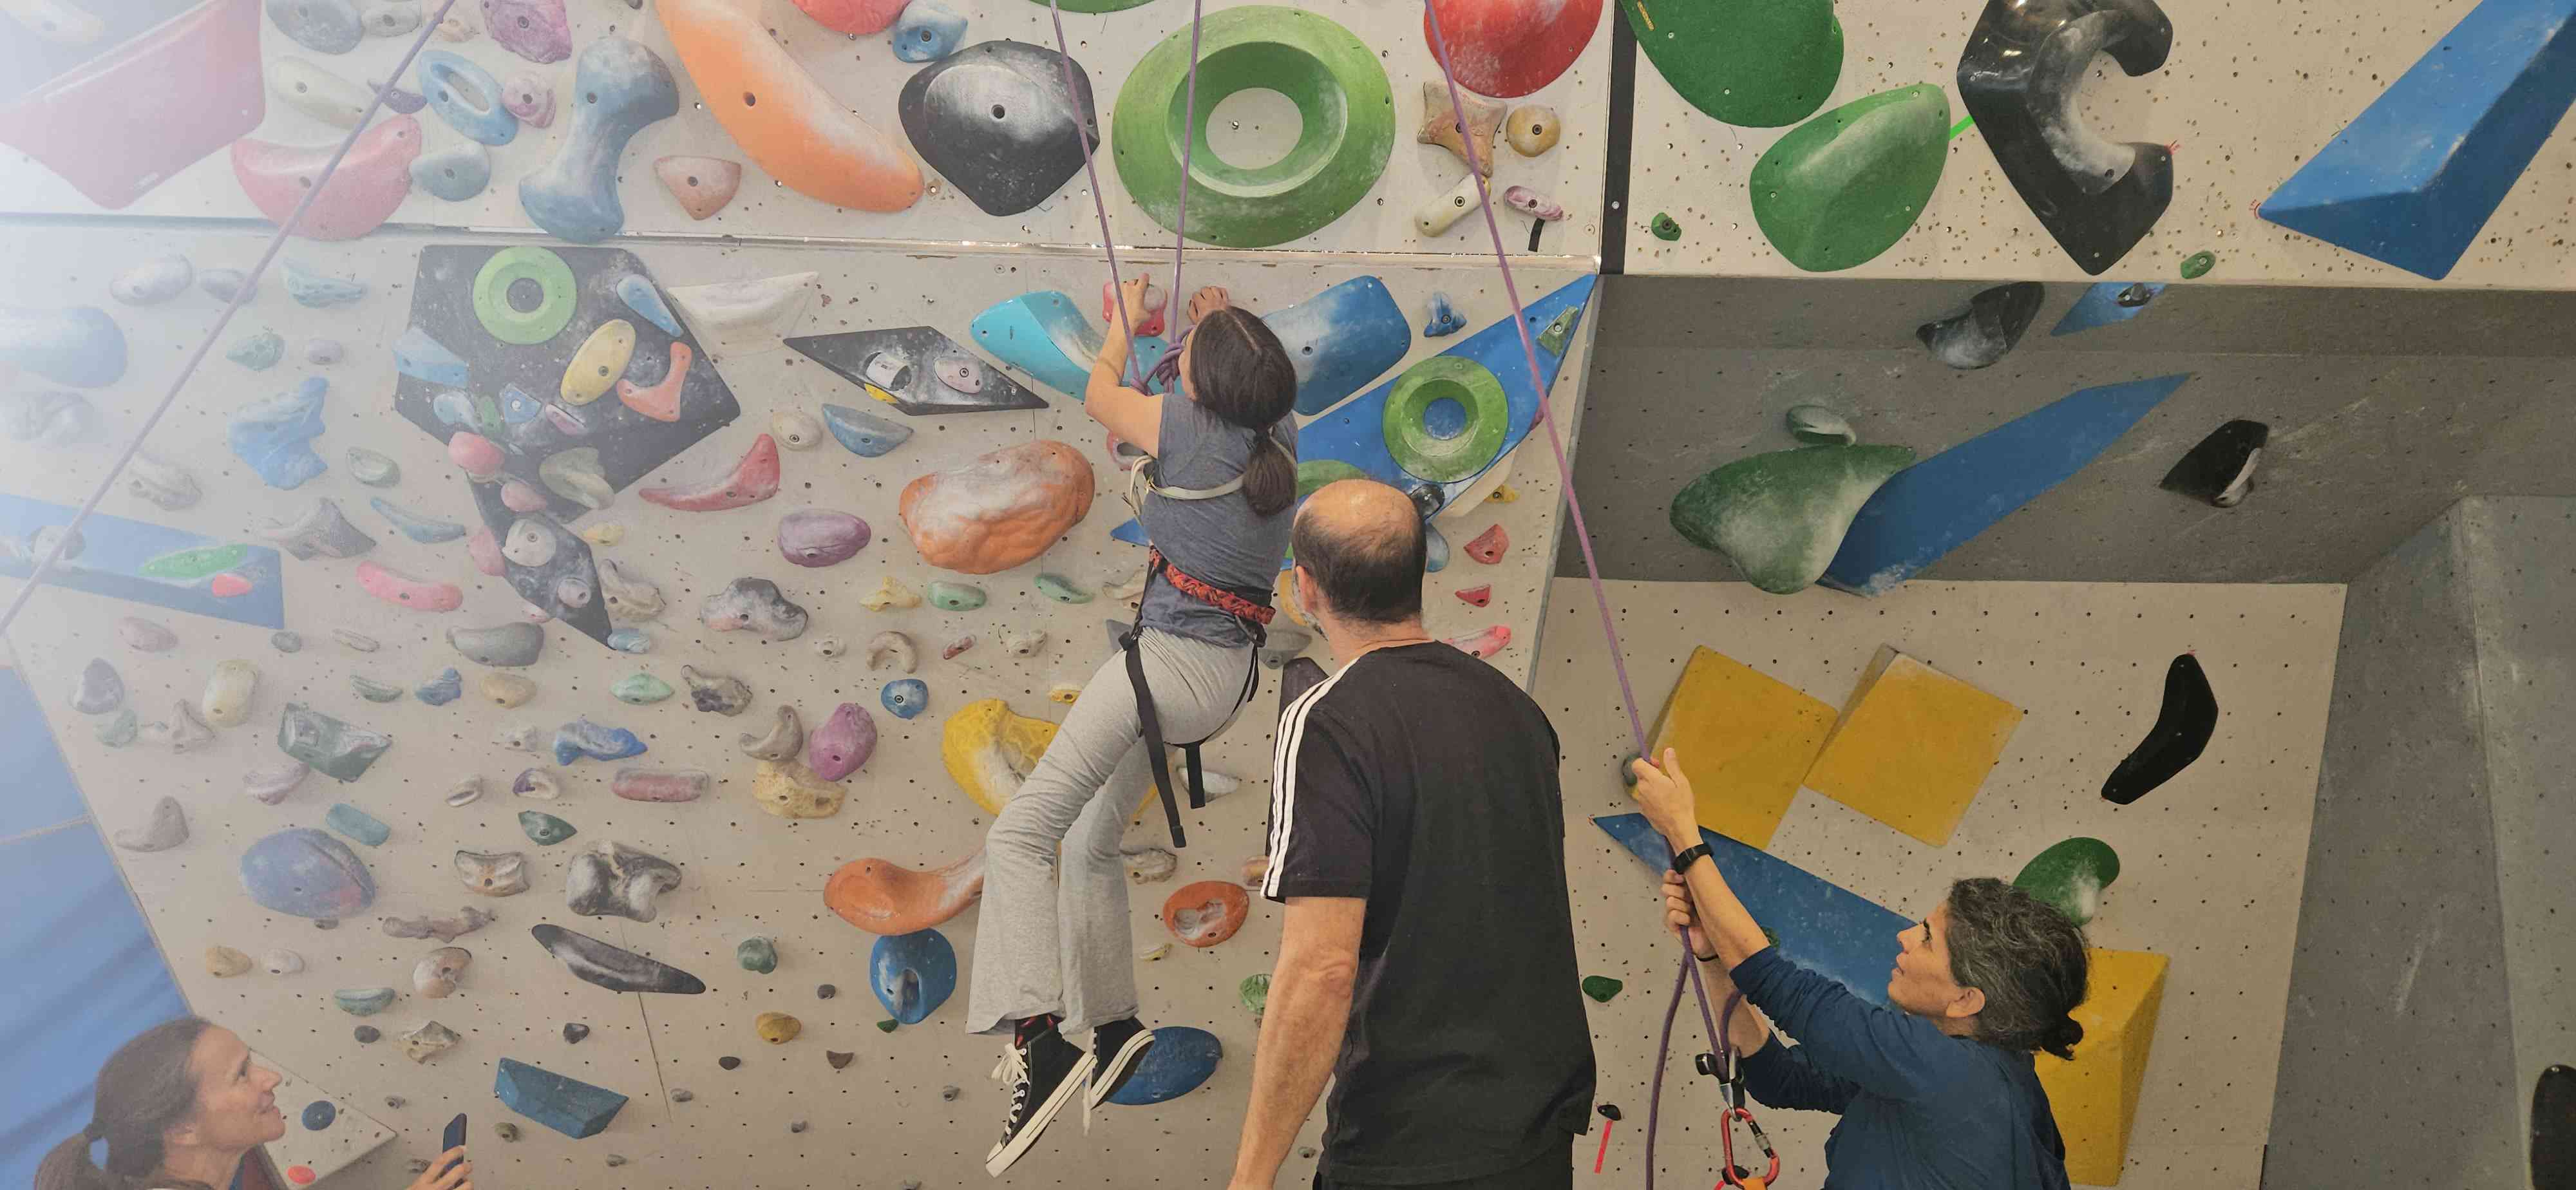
(1109, 364)
(1729, 925)
(1301, 1036)
(1745, 1030)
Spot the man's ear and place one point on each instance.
(1969, 1002)
(1304, 585)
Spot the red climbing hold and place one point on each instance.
(1478, 596)
(372, 179)
(1490, 545)
(1511, 47)
(227, 585)
(751, 481)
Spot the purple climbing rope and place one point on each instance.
(1099, 201)
(1583, 537)
(71, 533)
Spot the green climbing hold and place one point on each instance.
(373, 690)
(1665, 228)
(2071, 876)
(1315, 473)
(524, 313)
(2198, 264)
(1061, 589)
(956, 597)
(1097, 5)
(1347, 113)
(1446, 419)
(1845, 186)
(1602, 988)
(1757, 63)
(886, 1026)
(756, 954)
(1255, 990)
(121, 730)
(544, 830)
(1781, 516)
(191, 565)
(640, 688)
(1560, 330)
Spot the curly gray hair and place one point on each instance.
(2028, 959)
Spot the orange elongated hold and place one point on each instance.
(853, 16)
(662, 401)
(786, 122)
(403, 590)
(884, 897)
(751, 481)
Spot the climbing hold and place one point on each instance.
(322, 26)
(1844, 187)
(1532, 129)
(78, 346)
(791, 790)
(119, 729)
(702, 184)
(1042, 333)
(956, 597)
(1181, 1060)
(1780, 517)
(492, 873)
(583, 738)
(614, 968)
(1487, 643)
(2071, 875)
(2183, 727)
(623, 87)
(434, 976)
(543, 829)
(753, 605)
(423, 529)
(1284, 644)
(955, 647)
(223, 962)
(403, 590)
(598, 362)
(1004, 508)
(1490, 545)
(153, 281)
(339, 750)
(275, 436)
(1930, 508)
(825, 991)
(357, 824)
(1665, 227)
(912, 974)
(363, 1001)
(316, 290)
(100, 689)
(751, 481)
(1602, 988)
(269, 784)
(390, 18)
(568, 1105)
(509, 646)
(1024, 644)
(756, 954)
(224, 285)
(167, 828)
(418, 355)
(1476, 596)
(660, 401)
(1816, 425)
(747, 317)
(628, 598)
(787, 123)
(795, 429)
(506, 1130)
(885, 898)
(1149, 865)
(439, 691)
(226, 702)
(988, 750)
(575, 475)
(1444, 319)
(719, 693)
(1254, 991)
(614, 879)
(1991, 325)
(1510, 47)
(863, 434)
(892, 648)
(927, 31)
(2107, 303)
(1058, 588)
(2220, 469)
(530, 98)
(918, 370)
(145, 636)
(537, 30)
(428, 1041)
(1323, 68)
(783, 741)
(1759, 65)
(50, 418)
(524, 295)
(259, 351)
(2198, 264)
(640, 689)
(306, 873)
(467, 97)
(446, 929)
(649, 785)
(323, 353)
(777, 1028)
(905, 698)
(2018, 79)
(842, 744)
(160, 481)
(630, 640)
(537, 783)
(820, 537)
(1443, 126)
(1206, 913)
(1438, 215)
(574, 1032)
(373, 690)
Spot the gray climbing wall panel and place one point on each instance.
(744, 871)
(2428, 957)
(2210, 861)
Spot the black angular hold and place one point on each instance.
(2018, 78)
(997, 120)
(2221, 469)
(574, 1032)
(1610, 1111)
(2182, 729)
(1988, 329)
(368, 1035)
(729, 1062)
(825, 991)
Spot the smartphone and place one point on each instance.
(455, 1134)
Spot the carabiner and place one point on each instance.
(1732, 1174)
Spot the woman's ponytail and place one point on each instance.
(144, 1089)
(68, 1167)
(1270, 479)
(2062, 1038)
(1240, 372)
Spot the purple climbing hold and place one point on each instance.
(843, 743)
(536, 30)
(820, 537)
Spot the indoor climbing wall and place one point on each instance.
(844, 120)
(2207, 864)
(1916, 141)
(302, 562)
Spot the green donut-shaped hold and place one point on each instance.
(508, 322)
(1097, 5)
(1341, 95)
(1425, 455)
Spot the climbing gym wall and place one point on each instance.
(2432, 929)
(2244, 143)
(2040, 691)
(325, 574)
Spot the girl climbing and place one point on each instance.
(1219, 485)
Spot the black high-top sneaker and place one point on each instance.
(1044, 1073)
(1117, 1049)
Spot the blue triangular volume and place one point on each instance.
(568, 1105)
(1934, 506)
(1817, 924)
(2412, 179)
(2108, 302)
(1045, 336)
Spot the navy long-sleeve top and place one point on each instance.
(1920, 1109)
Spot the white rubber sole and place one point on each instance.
(1120, 1067)
(1008, 1153)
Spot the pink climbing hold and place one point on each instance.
(371, 181)
(536, 30)
(1478, 596)
(751, 481)
(853, 16)
(1490, 545)
(477, 456)
(842, 743)
(520, 496)
(1484, 644)
(1507, 48)
(1151, 326)
(403, 590)
(662, 401)
(121, 123)
(485, 549)
(228, 585)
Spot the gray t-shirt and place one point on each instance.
(1219, 541)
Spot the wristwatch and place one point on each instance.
(1689, 856)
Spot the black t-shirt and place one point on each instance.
(1424, 781)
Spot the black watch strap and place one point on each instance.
(1689, 856)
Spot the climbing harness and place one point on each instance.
(1250, 609)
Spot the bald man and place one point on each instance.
(1417, 836)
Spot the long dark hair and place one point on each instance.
(1239, 372)
(145, 1089)
(2028, 959)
